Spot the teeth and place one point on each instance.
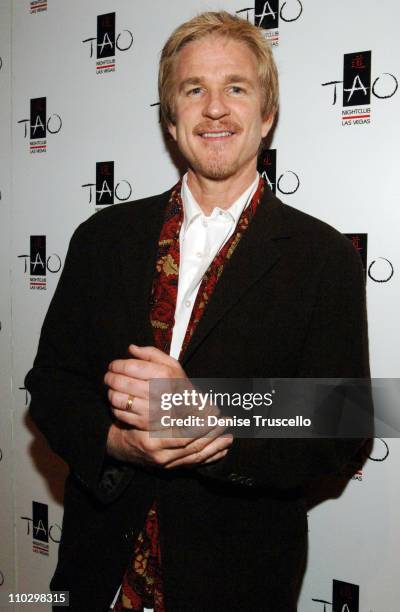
(216, 134)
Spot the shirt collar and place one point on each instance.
(192, 209)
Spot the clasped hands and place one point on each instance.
(129, 436)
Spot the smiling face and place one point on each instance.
(217, 108)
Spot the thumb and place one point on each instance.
(150, 353)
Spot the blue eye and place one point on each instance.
(236, 89)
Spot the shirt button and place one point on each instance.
(221, 212)
(199, 254)
(187, 303)
(205, 223)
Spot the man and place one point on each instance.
(214, 278)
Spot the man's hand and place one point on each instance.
(130, 377)
(136, 446)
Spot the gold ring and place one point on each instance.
(129, 403)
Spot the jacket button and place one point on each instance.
(250, 482)
(233, 477)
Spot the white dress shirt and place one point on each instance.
(200, 239)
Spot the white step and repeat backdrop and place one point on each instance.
(85, 134)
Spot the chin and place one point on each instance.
(216, 170)
(217, 174)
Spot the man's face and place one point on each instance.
(218, 123)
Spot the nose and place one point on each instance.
(215, 105)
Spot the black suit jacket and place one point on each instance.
(290, 303)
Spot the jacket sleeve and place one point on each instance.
(68, 399)
(336, 346)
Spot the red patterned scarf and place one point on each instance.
(165, 284)
(142, 582)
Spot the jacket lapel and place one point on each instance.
(255, 255)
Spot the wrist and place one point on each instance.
(115, 443)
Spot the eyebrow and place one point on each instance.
(238, 78)
(190, 81)
(230, 78)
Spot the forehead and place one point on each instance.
(215, 55)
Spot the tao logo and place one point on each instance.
(40, 530)
(106, 43)
(357, 88)
(39, 125)
(39, 263)
(104, 186)
(267, 13)
(287, 183)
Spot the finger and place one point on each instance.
(201, 434)
(215, 446)
(169, 456)
(172, 442)
(151, 353)
(128, 385)
(198, 445)
(139, 421)
(160, 440)
(119, 400)
(139, 369)
(142, 420)
(164, 457)
(217, 456)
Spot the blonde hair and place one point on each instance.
(230, 26)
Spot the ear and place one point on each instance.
(267, 124)
(172, 130)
